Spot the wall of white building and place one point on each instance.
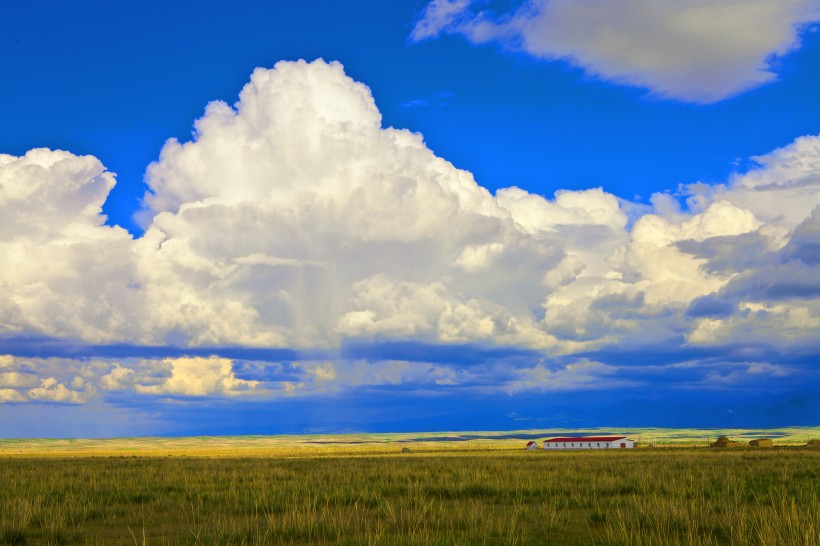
(581, 443)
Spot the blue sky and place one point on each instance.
(464, 215)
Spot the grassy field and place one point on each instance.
(480, 493)
(313, 445)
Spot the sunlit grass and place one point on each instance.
(488, 496)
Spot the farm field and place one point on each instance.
(479, 493)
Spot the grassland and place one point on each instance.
(313, 445)
(480, 492)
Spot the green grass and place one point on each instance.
(660, 497)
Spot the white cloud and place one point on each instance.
(584, 374)
(592, 207)
(64, 274)
(782, 190)
(117, 379)
(791, 325)
(660, 269)
(294, 219)
(325, 211)
(647, 281)
(132, 381)
(772, 275)
(79, 381)
(11, 395)
(334, 376)
(438, 15)
(191, 376)
(52, 391)
(739, 245)
(18, 380)
(48, 380)
(694, 50)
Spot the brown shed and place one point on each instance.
(762, 442)
(724, 441)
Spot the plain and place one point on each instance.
(474, 493)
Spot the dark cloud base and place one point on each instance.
(403, 412)
(662, 394)
(463, 354)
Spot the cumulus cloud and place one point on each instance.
(78, 381)
(11, 395)
(118, 379)
(334, 226)
(195, 377)
(52, 391)
(781, 190)
(725, 272)
(772, 291)
(64, 273)
(18, 380)
(321, 202)
(777, 260)
(294, 219)
(693, 50)
(48, 380)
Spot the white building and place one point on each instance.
(532, 445)
(590, 442)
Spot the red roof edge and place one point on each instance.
(588, 439)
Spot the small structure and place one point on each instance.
(724, 441)
(532, 445)
(762, 442)
(590, 442)
(405, 450)
(813, 443)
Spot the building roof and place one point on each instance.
(530, 443)
(588, 439)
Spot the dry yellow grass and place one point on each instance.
(481, 496)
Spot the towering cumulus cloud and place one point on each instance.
(293, 219)
(694, 50)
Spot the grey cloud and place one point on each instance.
(729, 254)
(784, 282)
(804, 244)
(710, 306)
(693, 50)
(764, 275)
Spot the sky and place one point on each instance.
(324, 217)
